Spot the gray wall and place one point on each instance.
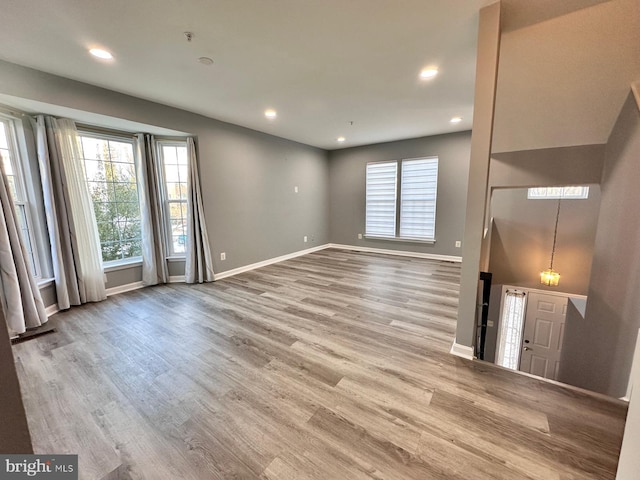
(483, 116)
(248, 178)
(578, 165)
(347, 184)
(600, 357)
(522, 239)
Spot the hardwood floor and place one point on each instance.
(334, 365)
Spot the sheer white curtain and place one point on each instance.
(19, 292)
(154, 252)
(73, 232)
(198, 265)
(511, 326)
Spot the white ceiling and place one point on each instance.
(320, 63)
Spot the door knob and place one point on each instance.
(527, 348)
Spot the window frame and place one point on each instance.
(16, 158)
(398, 202)
(111, 265)
(584, 195)
(166, 202)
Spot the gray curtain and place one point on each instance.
(154, 252)
(76, 270)
(20, 295)
(199, 265)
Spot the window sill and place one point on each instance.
(176, 258)
(122, 264)
(400, 239)
(45, 282)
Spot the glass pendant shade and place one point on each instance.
(550, 278)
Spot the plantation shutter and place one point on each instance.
(381, 199)
(418, 198)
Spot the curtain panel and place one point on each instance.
(20, 295)
(154, 251)
(198, 265)
(73, 233)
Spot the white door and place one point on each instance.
(543, 334)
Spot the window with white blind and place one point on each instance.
(415, 183)
(12, 167)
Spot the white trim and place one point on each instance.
(462, 351)
(402, 253)
(51, 309)
(124, 288)
(528, 290)
(635, 88)
(264, 263)
(176, 279)
(122, 264)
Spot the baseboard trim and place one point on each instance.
(176, 279)
(270, 261)
(401, 253)
(462, 351)
(51, 309)
(124, 288)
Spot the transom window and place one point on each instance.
(415, 183)
(12, 166)
(175, 168)
(111, 176)
(576, 192)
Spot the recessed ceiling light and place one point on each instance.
(340, 139)
(270, 114)
(429, 72)
(98, 52)
(205, 61)
(456, 120)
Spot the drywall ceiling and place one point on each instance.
(320, 63)
(562, 81)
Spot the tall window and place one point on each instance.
(111, 176)
(415, 182)
(511, 327)
(12, 165)
(174, 160)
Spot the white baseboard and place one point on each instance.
(462, 351)
(51, 309)
(264, 263)
(176, 279)
(124, 288)
(402, 253)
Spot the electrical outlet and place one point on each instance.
(359, 236)
(490, 323)
(295, 189)
(223, 256)
(305, 239)
(458, 244)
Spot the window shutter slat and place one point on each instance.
(381, 199)
(419, 185)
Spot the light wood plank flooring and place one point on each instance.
(334, 365)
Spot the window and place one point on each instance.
(175, 169)
(12, 165)
(414, 217)
(511, 326)
(573, 192)
(111, 176)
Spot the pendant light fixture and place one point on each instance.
(550, 277)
